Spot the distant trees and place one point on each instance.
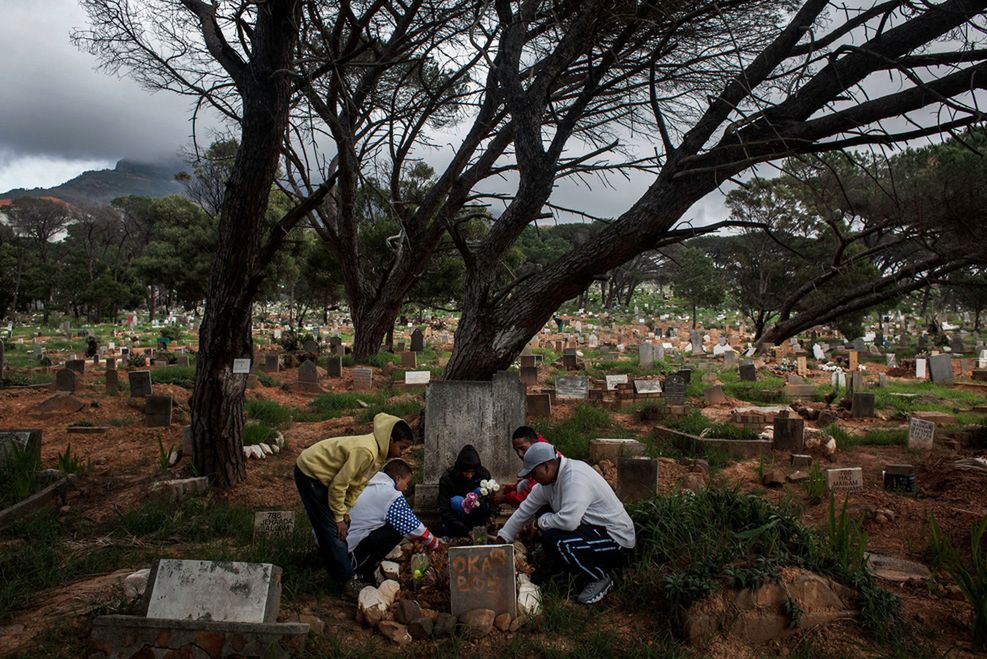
(696, 280)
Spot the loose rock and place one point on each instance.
(394, 632)
(406, 611)
(477, 623)
(371, 606)
(503, 622)
(421, 628)
(445, 625)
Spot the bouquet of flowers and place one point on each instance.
(473, 500)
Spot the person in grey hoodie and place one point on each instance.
(588, 530)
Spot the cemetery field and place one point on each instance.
(752, 541)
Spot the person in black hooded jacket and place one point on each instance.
(458, 481)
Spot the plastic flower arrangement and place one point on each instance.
(473, 500)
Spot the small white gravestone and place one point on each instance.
(614, 380)
(647, 386)
(844, 480)
(839, 380)
(920, 369)
(417, 377)
(921, 433)
(274, 524)
(215, 590)
(241, 366)
(817, 352)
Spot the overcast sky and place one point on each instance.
(60, 116)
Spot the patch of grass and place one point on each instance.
(873, 437)
(69, 463)
(766, 389)
(402, 408)
(331, 406)
(381, 359)
(572, 435)
(182, 376)
(257, 433)
(969, 575)
(815, 486)
(191, 520)
(695, 423)
(929, 397)
(18, 475)
(269, 412)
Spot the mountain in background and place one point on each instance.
(104, 185)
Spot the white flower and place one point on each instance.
(484, 491)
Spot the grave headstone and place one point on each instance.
(310, 346)
(569, 359)
(899, 477)
(479, 413)
(675, 389)
(646, 354)
(26, 440)
(482, 577)
(614, 380)
(696, 339)
(844, 480)
(818, 353)
(140, 383)
(219, 591)
(921, 434)
(645, 387)
(3, 364)
(417, 341)
(686, 374)
(789, 433)
(956, 345)
(637, 479)
(856, 381)
(334, 366)
(574, 387)
(920, 368)
(748, 372)
(803, 366)
(882, 379)
(363, 378)
(308, 373)
(336, 344)
(77, 365)
(891, 360)
(862, 405)
(274, 524)
(941, 368)
(409, 360)
(157, 411)
(529, 375)
(272, 362)
(112, 381)
(417, 377)
(838, 380)
(65, 380)
(859, 345)
(539, 405)
(854, 360)
(714, 395)
(730, 359)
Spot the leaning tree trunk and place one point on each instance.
(224, 335)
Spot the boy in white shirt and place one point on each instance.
(588, 532)
(381, 517)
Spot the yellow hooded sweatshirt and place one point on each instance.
(345, 464)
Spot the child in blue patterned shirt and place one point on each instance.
(381, 517)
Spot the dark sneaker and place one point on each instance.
(351, 590)
(595, 591)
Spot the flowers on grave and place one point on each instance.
(473, 500)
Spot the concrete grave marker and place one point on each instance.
(409, 360)
(527, 361)
(572, 387)
(274, 524)
(213, 590)
(308, 375)
(844, 480)
(644, 387)
(646, 355)
(334, 366)
(65, 380)
(862, 405)
(714, 395)
(920, 369)
(77, 365)
(272, 362)
(941, 368)
(539, 405)
(789, 433)
(817, 352)
(637, 479)
(417, 341)
(529, 375)
(112, 381)
(157, 411)
(675, 389)
(140, 383)
(748, 372)
(363, 378)
(730, 359)
(614, 380)
(921, 434)
(417, 377)
(696, 339)
(310, 346)
(482, 577)
(854, 360)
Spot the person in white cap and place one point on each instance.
(588, 532)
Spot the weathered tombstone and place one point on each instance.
(334, 366)
(882, 379)
(646, 387)
(272, 362)
(921, 434)
(920, 369)
(112, 381)
(637, 479)
(862, 405)
(956, 345)
(539, 405)
(891, 359)
(569, 360)
(529, 375)
(363, 378)
(686, 374)
(65, 380)
(730, 359)
(157, 411)
(856, 381)
(803, 366)
(140, 383)
(941, 368)
(308, 375)
(817, 352)
(593, 341)
(274, 524)
(336, 344)
(859, 344)
(417, 377)
(800, 460)
(310, 346)
(610, 448)
(27, 440)
(575, 387)
(899, 477)
(77, 365)
(675, 389)
(844, 480)
(714, 395)
(748, 372)
(417, 341)
(646, 354)
(614, 380)
(854, 360)
(696, 339)
(483, 414)
(409, 360)
(482, 577)
(789, 433)
(215, 590)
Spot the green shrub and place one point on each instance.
(181, 376)
(815, 486)
(572, 435)
(846, 538)
(257, 433)
(694, 423)
(18, 475)
(268, 411)
(402, 408)
(970, 576)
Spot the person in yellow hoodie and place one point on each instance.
(331, 474)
